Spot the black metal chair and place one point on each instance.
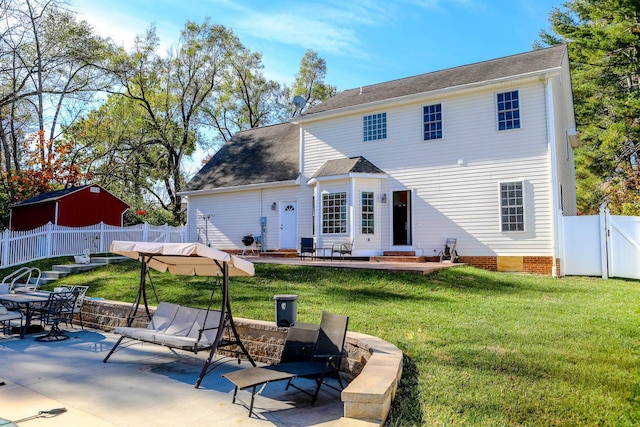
(308, 353)
(307, 247)
(58, 309)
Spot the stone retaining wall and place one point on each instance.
(373, 366)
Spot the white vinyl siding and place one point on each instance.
(235, 214)
(453, 200)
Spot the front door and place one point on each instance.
(288, 225)
(402, 218)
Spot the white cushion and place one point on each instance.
(3, 309)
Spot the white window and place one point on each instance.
(334, 213)
(367, 213)
(432, 119)
(374, 126)
(511, 206)
(508, 110)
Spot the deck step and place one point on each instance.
(283, 253)
(398, 258)
(399, 253)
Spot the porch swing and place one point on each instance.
(180, 327)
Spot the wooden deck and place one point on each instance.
(410, 267)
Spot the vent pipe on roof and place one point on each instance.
(360, 90)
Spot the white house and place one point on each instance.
(482, 153)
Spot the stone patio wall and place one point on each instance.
(373, 366)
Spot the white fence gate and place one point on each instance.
(601, 245)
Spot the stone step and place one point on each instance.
(44, 280)
(53, 275)
(108, 259)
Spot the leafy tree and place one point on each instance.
(309, 83)
(604, 49)
(247, 99)
(51, 66)
(168, 95)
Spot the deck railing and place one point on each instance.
(19, 247)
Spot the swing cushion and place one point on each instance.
(176, 326)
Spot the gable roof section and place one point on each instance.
(254, 156)
(53, 196)
(50, 196)
(517, 65)
(347, 166)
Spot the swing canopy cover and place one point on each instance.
(183, 259)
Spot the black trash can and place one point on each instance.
(286, 310)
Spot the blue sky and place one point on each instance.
(363, 42)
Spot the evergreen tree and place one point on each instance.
(604, 49)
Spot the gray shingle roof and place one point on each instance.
(271, 154)
(254, 156)
(525, 63)
(346, 166)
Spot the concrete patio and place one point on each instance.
(144, 385)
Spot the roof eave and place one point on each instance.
(531, 76)
(248, 187)
(314, 180)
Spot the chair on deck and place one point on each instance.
(6, 316)
(342, 249)
(309, 352)
(58, 309)
(449, 252)
(307, 247)
(77, 307)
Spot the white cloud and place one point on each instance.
(123, 23)
(309, 33)
(330, 26)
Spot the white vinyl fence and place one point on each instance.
(18, 247)
(601, 245)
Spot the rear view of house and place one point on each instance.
(482, 153)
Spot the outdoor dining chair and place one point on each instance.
(77, 307)
(6, 316)
(58, 309)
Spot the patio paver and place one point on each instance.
(142, 385)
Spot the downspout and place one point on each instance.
(551, 141)
(301, 154)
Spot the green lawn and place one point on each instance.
(482, 348)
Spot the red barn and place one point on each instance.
(71, 207)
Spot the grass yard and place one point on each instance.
(482, 348)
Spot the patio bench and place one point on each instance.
(174, 326)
